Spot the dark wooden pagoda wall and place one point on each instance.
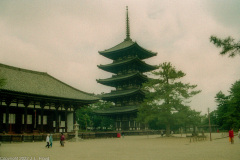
(127, 122)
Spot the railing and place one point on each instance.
(22, 138)
(197, 138)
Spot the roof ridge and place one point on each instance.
(147, 49)
(23, 69)
(124, 42)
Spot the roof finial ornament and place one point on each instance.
(127, 27)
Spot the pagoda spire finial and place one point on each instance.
(127, 27)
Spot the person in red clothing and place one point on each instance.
(231, 136)
(62, 138)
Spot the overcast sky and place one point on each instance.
(63, 38)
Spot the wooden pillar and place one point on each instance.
(34, 117)
(42, 105)
(26, 103)
(57, 118)
(37, 120)
(1, 119)
(7, 118)
(129, 126)
(1, 116)
(8, 102)
(18, 121)
(120, 125)
(134, 125)
(25, 119)
(66, 108)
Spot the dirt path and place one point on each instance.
(128, 148)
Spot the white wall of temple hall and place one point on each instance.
(39, 119)
(70, 122)
(11, 120)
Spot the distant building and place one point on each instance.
(32, 101)
(127, 68)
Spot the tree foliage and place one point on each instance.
(166, 98)
(228, 45)
(88, 119)
(228, 110)
(83, 117)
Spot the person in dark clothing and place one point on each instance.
(62, 140)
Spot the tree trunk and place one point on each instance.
(194, 131)
(167, 130)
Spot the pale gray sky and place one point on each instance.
(63, 37)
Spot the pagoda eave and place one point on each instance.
(117, 110)
(118, 79)
(115, 53)
(116, 66)
(124, 93)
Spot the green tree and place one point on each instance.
(101, 105)
(102, 122)
(213, 119)
(188, 118)
(228, 45)
(228, 111)
(83, 117)
(234, 105)
(166, 97)
(223, 101)
(87, 118)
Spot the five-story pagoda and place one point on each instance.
(127, 68)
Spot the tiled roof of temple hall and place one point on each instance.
(39, 83)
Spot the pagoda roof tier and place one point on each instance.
(117, 110)
(115, 67)
(121, 93)
(126, 47)
(113, 81)
(30, 82)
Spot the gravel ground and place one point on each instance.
(152, 147)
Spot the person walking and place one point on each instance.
(231, 136)
(47, 140)
(62, 140)
(50, 140)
